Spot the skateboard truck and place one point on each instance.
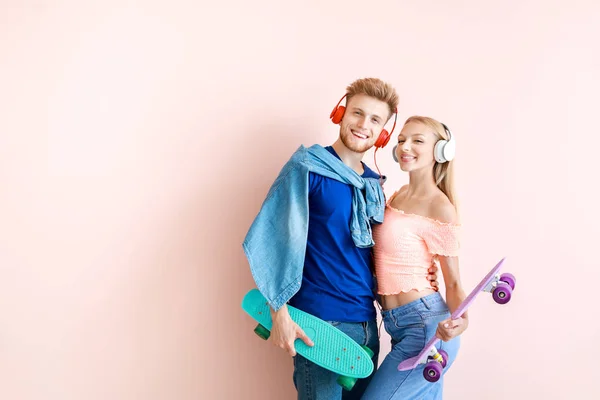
(501, 287)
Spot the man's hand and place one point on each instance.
(451, 328)
(285, 331)
(432, 277)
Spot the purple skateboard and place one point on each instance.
(501, 288)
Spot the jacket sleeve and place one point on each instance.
(275, 245)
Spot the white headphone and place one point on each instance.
(443, 151)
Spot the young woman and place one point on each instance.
(420, 223)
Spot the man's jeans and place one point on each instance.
(316, 383)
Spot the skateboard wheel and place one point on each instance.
(508, 278)
(444, 358)
(346, 382)
(262, 332)
(368, 350)
(433, 371)
(502, 293)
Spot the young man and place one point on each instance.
(310, 245)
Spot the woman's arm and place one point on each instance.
(445, 212)
(454, 291)
(455, 295)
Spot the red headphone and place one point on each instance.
(384, 137)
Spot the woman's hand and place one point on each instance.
(451, 328)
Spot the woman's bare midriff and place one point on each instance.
(396, 300)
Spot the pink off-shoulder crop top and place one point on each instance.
(405, 245)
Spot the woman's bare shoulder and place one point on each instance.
(442, 209)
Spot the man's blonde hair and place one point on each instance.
(376, 88)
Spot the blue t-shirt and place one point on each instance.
(337, 283)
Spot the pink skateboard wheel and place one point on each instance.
(510, 279)
(433, 371)
(502, 293)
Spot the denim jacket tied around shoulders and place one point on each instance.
(275, 245)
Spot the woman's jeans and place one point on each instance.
(316, 383)
(410, 327)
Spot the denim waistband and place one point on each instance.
(422, 304)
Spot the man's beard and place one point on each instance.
(347, 140)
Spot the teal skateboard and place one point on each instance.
(333, 349)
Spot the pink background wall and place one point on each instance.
(138, 140)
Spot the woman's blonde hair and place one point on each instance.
(443, 173)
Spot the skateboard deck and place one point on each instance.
(501, 287)
(333, 349)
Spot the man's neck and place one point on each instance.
(349, 157)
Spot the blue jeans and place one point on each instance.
(410, 327)
(316, 383)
